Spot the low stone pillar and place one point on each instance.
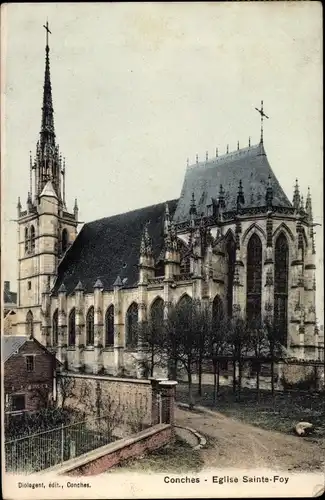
(167, 392)
(155, 399)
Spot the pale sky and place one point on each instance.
(138, 88)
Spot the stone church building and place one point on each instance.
(232, 238)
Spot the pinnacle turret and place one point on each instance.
(240, 195)
(193, 210)
(76, 209)
(296, 196)
(221, 198)
(166, 219)
(309, 210)
(146, 243)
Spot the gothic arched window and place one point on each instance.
(185, 301)
(90, 326)
(281, 264)
(157, 313)
(109, 326)
(55, 328)
(72, 327)
(217, 310)
(30, 324)
(254, 279)
(26, 239)
(64, 240)
(231, 259)
(132, 325)
(32, 238)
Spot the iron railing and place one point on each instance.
(42, 450)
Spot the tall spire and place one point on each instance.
(47, 159)
(47, 126)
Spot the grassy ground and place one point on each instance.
(177, 457)
(280, 413)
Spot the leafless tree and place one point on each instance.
(237, 346)
(180, 340)
(276, 350)
(66, 388)
(258, 348)
(217, 348)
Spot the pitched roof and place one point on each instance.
(48, 190)
(11, 344)
(250, 165)
(109, 247)
(9, 297)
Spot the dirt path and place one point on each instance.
(234, 444)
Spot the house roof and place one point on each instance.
(250, 165)
(109, 247)
(9, 297)
(11, 344)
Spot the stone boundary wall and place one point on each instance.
(144, 402)
(102, 459)
(93, 394)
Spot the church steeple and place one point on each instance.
(47, 126)
(47, 161)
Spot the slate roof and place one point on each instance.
(48, 190)
(9, 297)
(109, 247)
(11, 344)
(250, 165)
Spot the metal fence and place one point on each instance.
(39, 451)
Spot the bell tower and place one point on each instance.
(46, 229)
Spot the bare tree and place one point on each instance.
(202, 319)
(180, 339)
(258, 346)
(276, 350)
(150, 333)
(217, 348)
(66, 388)
(237, 344)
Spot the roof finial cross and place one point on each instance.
(46, 26)
(263, 115)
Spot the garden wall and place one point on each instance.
(136, 402)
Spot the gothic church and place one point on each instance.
(233, 239)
